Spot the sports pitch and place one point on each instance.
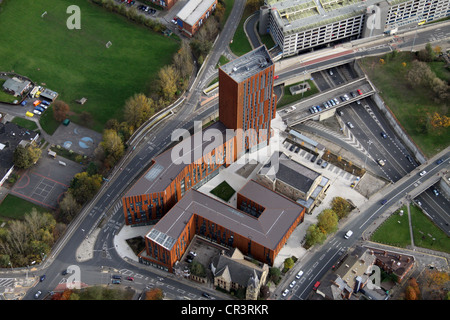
(77, 63)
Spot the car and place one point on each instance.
(37, 294)
(381, 162)
(311, 110)
(313, 159)
(341, 113)
(348, 234)
(206, 295)
(276, 77)
(36, 103)
(336, 101)
(130, 278)
(29, 114)
(43, 106)
(39, 109)
(319, 162)
(115, 281)
(292, 148)
(23, 103)
(410, 159)
(419, 203)
(292, 284)
(330, 72)
(342, 98)
(297, 149)
(384, 135)
(116, 276)
(352, 185)
(332, 102)
(435, 191)
(358, 102)
(325, 105)
(299, 274)
(285, 293)
(42, 278)
(324, 164)
(422, 173)
(359, 91)
(384, 201)
(346, 97)
(439, 161)
(319, 108)
(189, 260)
(350, 125)
(190, 257)
(316, 285)
(37, 112)
(64, 272)
(45, 102)
(353, 94)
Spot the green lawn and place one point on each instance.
(240, 44)
(409, 105)
(288, 98)
(6, 97)
(76, 63)
(395, 231)
(13, 207)
(25, 123)
(224, 191)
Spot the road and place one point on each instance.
(321, 260)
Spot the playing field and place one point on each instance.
(76, 63)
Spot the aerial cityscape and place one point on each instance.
(225, 151)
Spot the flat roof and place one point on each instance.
(193, 10)
(165, 168)
(293, 16)
(268, 230)
(248, 65)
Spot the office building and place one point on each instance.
(194, 14)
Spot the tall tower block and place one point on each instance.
(246, 99)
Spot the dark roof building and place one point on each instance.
(11, 135)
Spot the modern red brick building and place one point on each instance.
(247, 100)
(260, 236)
(194, 14)
(164, 196)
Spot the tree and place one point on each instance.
(25, 157)
(60, 110)
(83, 187)
(69, 207)
(182, 61)
(113, 146)
(340, 206)
(314, 235)
(288, 263)
(138, 109)
(168, 77)
(328, 221)
(154, 294)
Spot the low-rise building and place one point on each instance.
(194, 14)
(294, 180)
(16, 86)
(236, 271)
(11, 135)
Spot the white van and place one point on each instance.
(348, 234)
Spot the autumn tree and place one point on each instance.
(113, 146)
(83, 187)
(25, 157)
(69, 207)
(168, 77)
(183, 62)
(154, 294)
(341, 207)
(314, 235)
(60, 110)
(327, 221)
(412, 291)
(138, 109)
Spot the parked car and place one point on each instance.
(313, 159)
(37, 112)
(42, 278)
(336, 100)
(39, 109)
(36, 103)
(23, 103)
(319, 162)
(299, 274)
(346, 97)
(316, 285)
(37, 294)
(324, 164)
(193, 253)
(43, 106)
(116, 276)
(381, 162)
(353, 94)
(285, 293)
(130, 278)
(115, 281)
(439, 161)
(350, 125)
(45, 102)
(359, 91)
(292, 284)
